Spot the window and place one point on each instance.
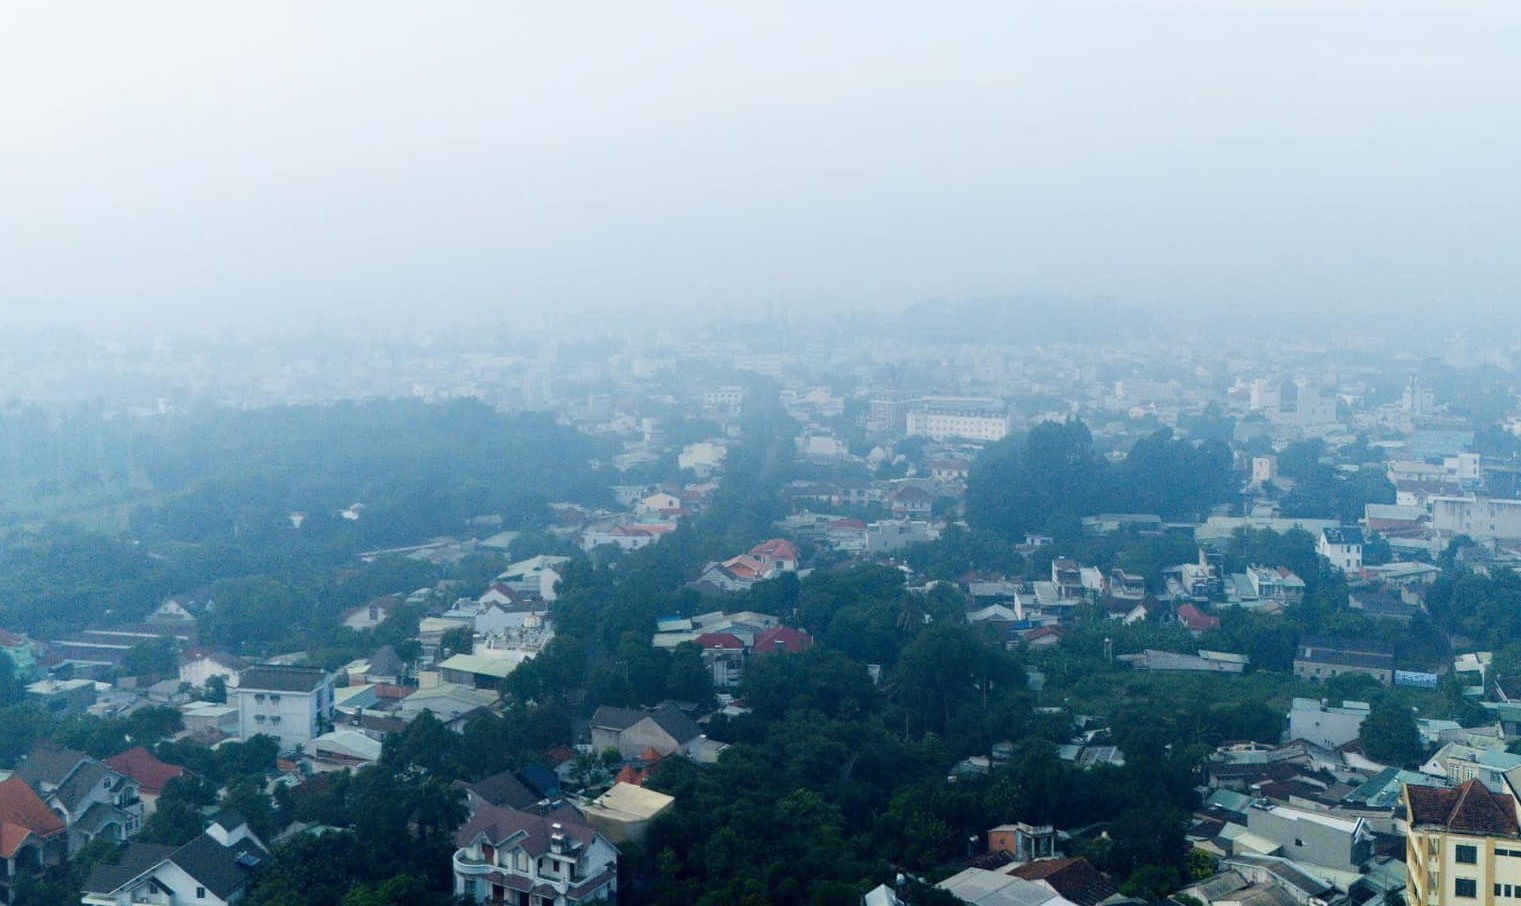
(1467, 855)
(1497, 888)
(1465, 887)
(200, 893)
(1298, 842)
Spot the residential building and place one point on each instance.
(216, 868)
(1318, 659)
(1317, 838)
(982, 887)
(199, 665)
(1463, 846)
(526, 859)
(292, 704)
(1480, 518)
(150, 774)
(32, 837)
(1275, 584)
(537, 575)
(1327, 726)
(961, 418)
(22, 654)
(665, 729)
(623, 813)
(1074, 880)
(94, 800)
(1343, 546)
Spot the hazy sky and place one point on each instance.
(208, 164)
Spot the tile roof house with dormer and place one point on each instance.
(93, 799)
(554, 859)
(216, 868)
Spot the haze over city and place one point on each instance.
(284, 165)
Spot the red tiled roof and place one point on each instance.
(1075, 879)
(1044, 631)
(23, 814)
(793, 641)
(719, 640)
(776, 548)
(1196, 619)
(140, 764)
(1471, 808)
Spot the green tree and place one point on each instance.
(1390, 735)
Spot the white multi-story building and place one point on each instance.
(965, 418)
(510, 856)
(1343, 546)
(1481, 518)
(292, 704)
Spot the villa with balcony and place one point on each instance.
(523, 858)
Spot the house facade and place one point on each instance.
(1463, 847)
(216, 868)
(32, 837)
(292, 704)
(92, 799)
(1343, 546)
(526, 859)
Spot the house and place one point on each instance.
(1459, 844)
(778, 553)
(343, 748)
(21, 653)
(60, 697)
(1074, 880)
(982, 887)
(785, 639)
(1327, 726)
(92, 799)
(664, 729)
(623, 813)
(1195, 620)
(534, 576)
(199, 665)
(1320, 658)
(1125, 586)
(292, 704)
(150, 774)
(1313, 837)
(1343, 546)
(658, 503)
(216, 868)
(911, 501)
(474, 671)
(368, 616)
(1274, 584)
(735, 574)
(31, 836)
(948, 471)
(555, 859)
(503, 790)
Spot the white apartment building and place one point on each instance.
(292, 704)
(964, 418)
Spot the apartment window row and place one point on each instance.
(1515, 853)
(1507, 890)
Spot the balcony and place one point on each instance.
(466, 866)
